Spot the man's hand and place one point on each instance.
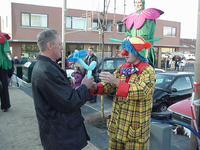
(109, 78)
(88, 82)
(94, 87)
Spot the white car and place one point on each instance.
(69, 72)
(159, 70)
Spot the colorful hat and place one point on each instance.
(137, 46)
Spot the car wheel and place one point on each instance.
(162, 108)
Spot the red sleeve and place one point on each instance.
(123, 88)
(100, 89)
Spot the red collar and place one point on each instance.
(140, 66)
(2, 38)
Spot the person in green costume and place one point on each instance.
(142, 23)
(5, 64)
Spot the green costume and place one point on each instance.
(146, 32)
(142, 23)
(5, 63)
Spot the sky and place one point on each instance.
(182, 11)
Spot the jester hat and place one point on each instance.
(137, 46)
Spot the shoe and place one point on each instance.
(93, 101)
(5, 110)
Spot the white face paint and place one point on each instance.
(138, 5)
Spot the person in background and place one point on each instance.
(177, 63)
(57, 104)
(59, 61)
(170, 62)
(5, 64)
(76, 77)
(16, 60)
(23, 60)
(183, 63)
(89, 58)
(134, 81)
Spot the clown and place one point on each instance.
(134, 81)
(142, 23)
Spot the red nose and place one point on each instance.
(124, 52)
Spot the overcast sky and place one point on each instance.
(183, 11)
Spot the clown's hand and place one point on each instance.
(109, 78)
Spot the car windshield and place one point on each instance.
(162, 81)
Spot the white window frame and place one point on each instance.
(34, 20)
(169, 31)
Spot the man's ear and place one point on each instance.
(49, 45)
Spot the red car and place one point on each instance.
(181, 111)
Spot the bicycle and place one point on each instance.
(13, 81)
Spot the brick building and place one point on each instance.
(23, 22)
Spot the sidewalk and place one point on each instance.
(18, 126)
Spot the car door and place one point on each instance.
(180, 89)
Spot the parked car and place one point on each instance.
(171, 88)
(159, 70)
(111, 63)
(189, 56)
(181, 111)
(69, 72)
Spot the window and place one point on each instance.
(76, 23)
(169, 31)
(121, 27)
(3, 24)
(34, 20)
(109, 65)
(96, 25)
(71, 47)
(29, 49)
(120, 62)
(6, 21)
(69, 22)
(182, 83)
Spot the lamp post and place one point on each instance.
(64, 14)
(193, 141)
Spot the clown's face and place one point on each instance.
(132, 59)
(138, 5)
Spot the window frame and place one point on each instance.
(108, 27)
(120, 27)
(171, 31)
(30, 20)
(71, 22)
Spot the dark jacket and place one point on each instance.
(16, 61)
(57, 107)
(92, 58)
(78, 78)
(23, 61)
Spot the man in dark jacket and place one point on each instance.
(57, 104)
(89, 58)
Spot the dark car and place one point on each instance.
(110, 64)
(171, 88)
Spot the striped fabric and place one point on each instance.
(130, 116)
